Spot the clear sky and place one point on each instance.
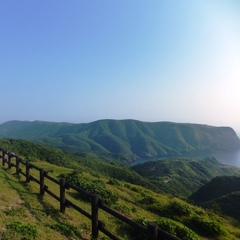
(152, 60)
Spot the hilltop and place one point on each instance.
(125, 140)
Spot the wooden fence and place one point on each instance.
(152, 231)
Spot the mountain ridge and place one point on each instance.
(125, 139)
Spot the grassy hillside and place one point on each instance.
(32, 152)
(26, 215)
(178, 176)
(183, 176)
(125, 139)
(23, 208)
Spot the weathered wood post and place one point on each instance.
(27, 171)
(42, 173)
(152, 231)
(94, 202)
(62, 195)
(17, 165)
(3, 157)
(9, 160)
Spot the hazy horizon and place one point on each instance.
(38, 120)
(151, 61)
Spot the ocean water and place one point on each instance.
(228, 158)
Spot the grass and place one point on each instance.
(21, 207)
(21, 202)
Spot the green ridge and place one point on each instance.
(125, 140)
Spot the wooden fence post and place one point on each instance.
(9, 160)
(17, 165)
(27, 171)
(152, 231)
(3, 158)
(42, 173)
(94, 202)
(62, 195)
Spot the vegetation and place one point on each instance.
(17, 230)
(125, 140)
(95, 187)
(26, 215)
(183, 176)
(23, 207)
(222, 194)
(32, 151)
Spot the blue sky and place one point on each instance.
(80, 61)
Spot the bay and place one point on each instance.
(229, 158)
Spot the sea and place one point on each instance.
(229, 158)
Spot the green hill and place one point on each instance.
(222, 194)
(183, 176)
(32, 152)
(25, 214)
(125, 139)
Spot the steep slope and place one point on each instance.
(221, 193)
(32, 152)
(126, 139)
(183, 176)
(216, 188)
(24, 208)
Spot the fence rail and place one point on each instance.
(152, 230)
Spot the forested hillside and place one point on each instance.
(183, 176)
(126, 139)
(222, 194)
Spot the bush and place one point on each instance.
(113, 181)
(136, 234)
(177, 229)
(95, 187)
(208, 227)
(123, 209)
(165, 224)
(179, 209)
(173, 209)
(18, 230)
(148, 199)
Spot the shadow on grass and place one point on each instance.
(45, 210)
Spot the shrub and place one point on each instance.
(136, 234)
(177, 229)
(148, 199)
(113, 181)
(168, 225)
(179, 209)
(122, 209)
(18, 230)
(208, 227)
(95, 187)
(174, 209)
